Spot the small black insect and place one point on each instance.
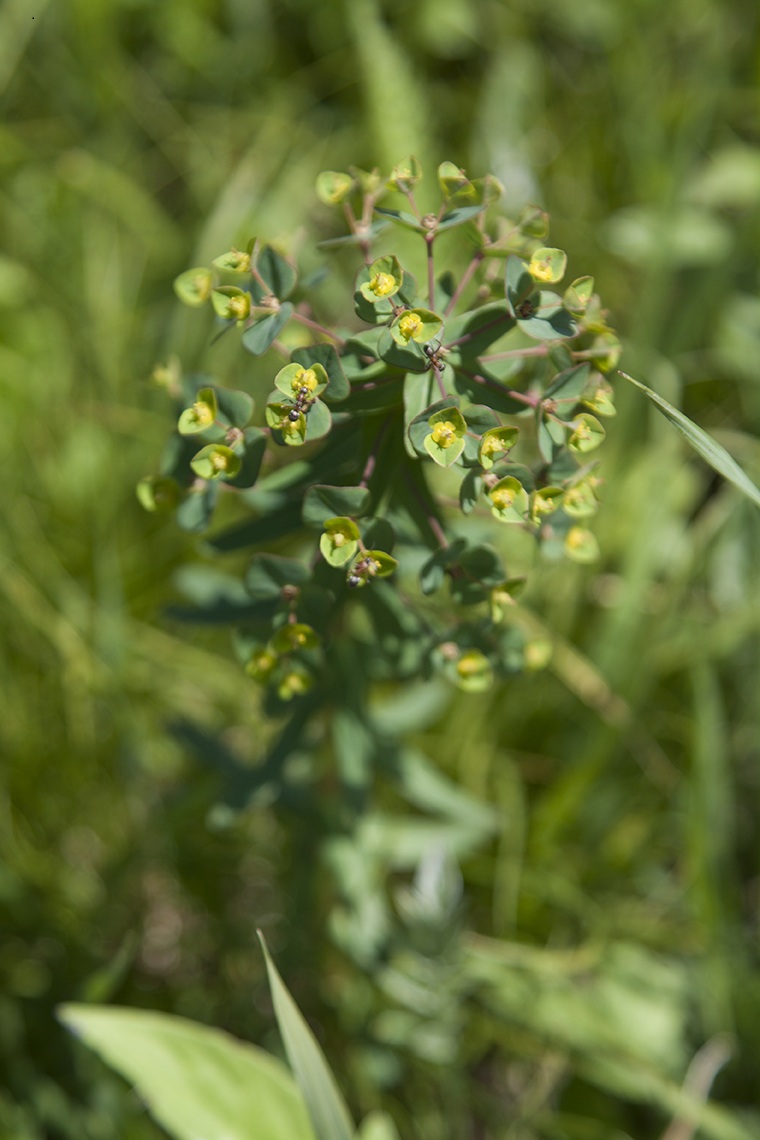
(433, 351)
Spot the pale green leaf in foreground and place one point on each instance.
(377, 1126)
(199, 1083)
(329, 1115)
(710, 450)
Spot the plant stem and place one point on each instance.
(317, 327)
(464, 281)
(429, 239)
(476, 332)
(435, 527)
(377, 443)
(537, 350)
(521, 397)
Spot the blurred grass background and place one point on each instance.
(137, 139)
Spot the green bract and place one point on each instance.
(293, 378)
(473, 672)
(496, 444)
(340, 541)
(581, 545)
(158, 493)
(215, 461)
(201, 416)
(580, 501)
(599, 396)
(334, 187)
(416, 325)
(587, 434)
(578, 294)
(231, 303)
(405, 175)
(193, 287)
(385, 279)
(509, 500)
(547, 265)
(369, 565)
(445, 441)
(289, 421)
(233, 261)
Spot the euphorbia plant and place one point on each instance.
(403, 452)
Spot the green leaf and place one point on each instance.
(325, 355)
(236, 406)
(255, 443)
(258, 337)
(267, 574)
(401, 218)
(327, 1109)
(709, 449)
(569, 384)
(278, 273)
(459, 216)
(318, 421)
(479, 328)
(409, 357)
(195, 511)
(196, 1081)
(253, 532)
(377, 1126)
(322, 503)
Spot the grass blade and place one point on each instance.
(329, 1114)
(710, 450)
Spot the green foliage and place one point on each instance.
(149, 823)
(197, 1081)
(427, 366)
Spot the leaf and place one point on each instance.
(279, 274)
(199, 1083)
(322, 503)
(268, 573)
(255, 532)
(327, 1109)
(325, 354)
(235, 405)
(255, 445)
(318, 421)
(458, 216)
(704, 445)
(194, 512)
(377, 1126)
(401, 218)
(257, 338)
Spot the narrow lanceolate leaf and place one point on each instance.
(704, 445)
(330, 1117)
(199, 1083)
